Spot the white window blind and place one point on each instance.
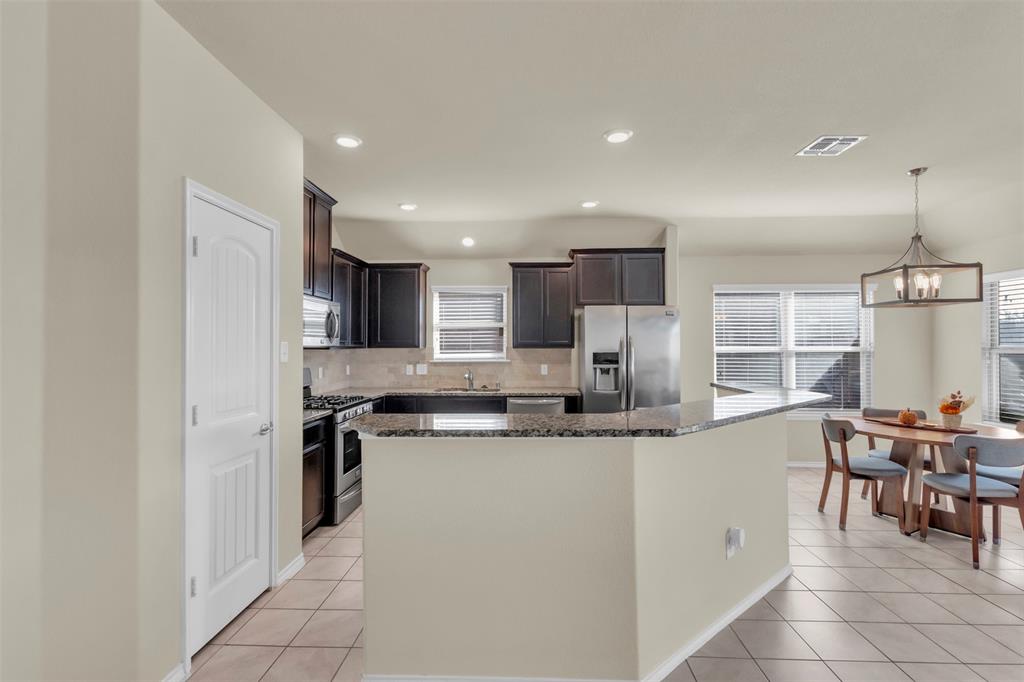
(1003, 347)
(818, 339)
(469, 323)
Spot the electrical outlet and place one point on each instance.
(544, 370)
(735, 538)
(348, 370)
(408, 370)
(319, 372)
(421, 368)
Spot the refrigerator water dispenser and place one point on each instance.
(606, 372)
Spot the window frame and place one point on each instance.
(436, 327)
(991, 352)
(788, 350)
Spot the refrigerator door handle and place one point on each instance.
(623, 373)
(631, 350)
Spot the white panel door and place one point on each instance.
(228, 416)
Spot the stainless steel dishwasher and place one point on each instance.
(536, 405)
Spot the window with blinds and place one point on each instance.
(814, 339)
(1003, 346)
(469, 323)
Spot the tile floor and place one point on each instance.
(863, 604)
(309, 628)
(870, 604)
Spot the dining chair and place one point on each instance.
(875, 451)
(979, 451)
(869, 469)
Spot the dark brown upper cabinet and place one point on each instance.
(317, 274)
(349, 292)
(397, 305)
(542, 305)
(619, 276)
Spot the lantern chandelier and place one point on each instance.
(919, 277)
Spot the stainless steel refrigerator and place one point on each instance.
(629, 357)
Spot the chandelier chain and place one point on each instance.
(917, 226)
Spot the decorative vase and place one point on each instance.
(952, 421)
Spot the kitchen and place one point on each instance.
(532, 341)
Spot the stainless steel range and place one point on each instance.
(344, 473)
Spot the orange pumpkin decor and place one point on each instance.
(908, 417)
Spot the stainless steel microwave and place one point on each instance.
(321, 323)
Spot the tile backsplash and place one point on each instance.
(386, 367)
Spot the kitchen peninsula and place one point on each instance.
(569, 546)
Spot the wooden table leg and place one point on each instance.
(911, 456)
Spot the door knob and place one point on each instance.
(265, 429)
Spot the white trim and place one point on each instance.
(177, 674)
(762, 288)
(805, 465)
(194, 190)
(691, 647)
(293, 567)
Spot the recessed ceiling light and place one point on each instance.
(468, 241)
(619, 135)
(408, 206)
(589, 204)
(831, 145)
(348, 141)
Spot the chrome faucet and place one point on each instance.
(468, 376)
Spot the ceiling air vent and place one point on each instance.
(831, 145)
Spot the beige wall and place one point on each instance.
(625, 598)
(997, 217)
(115, 105)
(902, 370)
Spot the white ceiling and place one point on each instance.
(493, 111)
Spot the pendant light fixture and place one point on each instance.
(919, 277)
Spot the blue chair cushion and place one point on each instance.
(1009, 475)
(885, 454)
(872, 466)
(960, 485)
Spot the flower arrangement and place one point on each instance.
(952, 407)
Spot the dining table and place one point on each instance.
(909, 445)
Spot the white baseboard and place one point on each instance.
(805, 465)
(293, 567)
(691, 647)
(658, 674)
(176, 675)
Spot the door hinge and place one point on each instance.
(195, 415)
(192, 586)
(195, 246)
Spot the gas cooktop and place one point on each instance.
(331, 402)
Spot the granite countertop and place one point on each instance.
(671, 420)
(313, 415)
(374, 392)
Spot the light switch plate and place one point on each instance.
(348, 370)
(421, 368)
(284, 351)
(408, 370)
(319, 372)
(544, 370)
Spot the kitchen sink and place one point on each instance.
(482, 389)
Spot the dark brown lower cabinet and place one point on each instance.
(314, 460)
(453, 404)
(316, 441)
